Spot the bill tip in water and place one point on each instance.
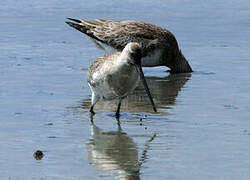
(155, 110)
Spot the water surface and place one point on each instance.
(200, 132)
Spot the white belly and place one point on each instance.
(152, 59)
(114, 86)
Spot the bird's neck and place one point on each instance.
(124, 57)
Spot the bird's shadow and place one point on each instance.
(116, 153)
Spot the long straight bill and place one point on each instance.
(146, 87)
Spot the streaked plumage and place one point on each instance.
(159, 46)
(116, 75)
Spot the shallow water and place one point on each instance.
(200, 132)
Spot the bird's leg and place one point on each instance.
(94, 100)
(117, 114)
(91, 118)
(92, 109)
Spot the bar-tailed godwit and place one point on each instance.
(159, 46)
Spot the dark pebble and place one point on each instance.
(38, 155)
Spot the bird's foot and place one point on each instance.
(117, 115)
(91, 110)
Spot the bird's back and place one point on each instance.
(101, 67)
(117, 34)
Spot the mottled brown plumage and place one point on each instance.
(159, 46)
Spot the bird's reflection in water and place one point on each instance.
(163, 89)
(115, 152)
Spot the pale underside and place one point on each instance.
(111, 79)
(151, 60)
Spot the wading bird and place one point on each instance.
(159, 46)
(116, 75)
